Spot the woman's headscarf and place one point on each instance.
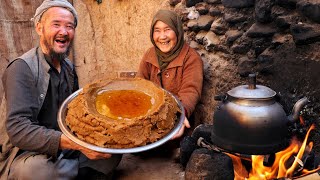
(175, 23)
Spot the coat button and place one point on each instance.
(167, 75)
(41, 96)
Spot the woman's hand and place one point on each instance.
(66, 143)
(185, 124)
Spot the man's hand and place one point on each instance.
(185, 124)
(66, 143)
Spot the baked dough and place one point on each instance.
(110, 131)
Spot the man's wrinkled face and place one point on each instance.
(56, 30)
(164, 37)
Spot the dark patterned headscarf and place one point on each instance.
(175, 23)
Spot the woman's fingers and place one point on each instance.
(185, 124)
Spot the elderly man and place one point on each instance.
(35, 85)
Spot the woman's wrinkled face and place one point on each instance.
(56, 30)
(164, 37)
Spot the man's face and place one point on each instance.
(56, 30)
(164, 37)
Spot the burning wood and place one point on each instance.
(289, 163)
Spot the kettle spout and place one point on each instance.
(294, 116)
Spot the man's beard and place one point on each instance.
(55, 55)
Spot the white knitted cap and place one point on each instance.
(46, 4)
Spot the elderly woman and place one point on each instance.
(172, 63)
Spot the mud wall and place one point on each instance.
(112, 36)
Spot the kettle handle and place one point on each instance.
(294, 116)
(220, 97)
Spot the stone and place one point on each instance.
(261, 30)
(232, 35)
(218, 27)
(262, 10)
(233, 17)
(202, 8)
(190, 3)
(279, 39)
(310, 9)
(304, 33)
(205, 22)
(212, 1)
(200, 37)
(289, 4)
(238, 3)
(241, 45)
(211, 40)
(215, 11)
(285, 21)
(207, 164)
(193, 25)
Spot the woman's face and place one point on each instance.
(164, 37)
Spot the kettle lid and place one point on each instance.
(245, 92)
(252, 91)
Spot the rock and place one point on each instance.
(202, 8)
(211, 40)
(212, 1)
(218, 27)
(233, 17)
(232, 35)
(263, 10)
(279, 39)
(265, 62)
(289, 4)
(207, 164)
(261, 30)
(190, 3)
(310, 9)
(238, 3)
(215, 11)
(200, 37)
(305, 33)
(245, 66)
(241, 45)
(284, 21)
(187, 146)
(193, 25)
(278, 11)
(260, 44)
(205, 22)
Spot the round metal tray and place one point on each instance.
(66, 130)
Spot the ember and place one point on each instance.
(288, 163)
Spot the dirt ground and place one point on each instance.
(155, 167)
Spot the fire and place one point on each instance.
(286, 164)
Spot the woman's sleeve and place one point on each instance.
(192, 80)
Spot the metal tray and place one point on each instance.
(66, 130)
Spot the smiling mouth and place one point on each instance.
(164, 43)
(63, 41)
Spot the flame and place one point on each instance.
(286, 163)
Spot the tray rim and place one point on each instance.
(66, 130)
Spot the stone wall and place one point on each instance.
(276, 39)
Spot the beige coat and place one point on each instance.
(183, 77)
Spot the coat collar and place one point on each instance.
(42, 60)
